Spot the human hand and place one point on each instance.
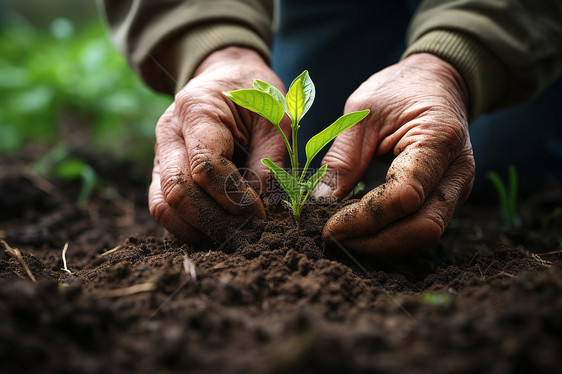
(196, 187)
(419, 111)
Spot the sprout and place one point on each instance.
(269, 102)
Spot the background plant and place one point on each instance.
(73, 86)
(507, 194)
(270, 103)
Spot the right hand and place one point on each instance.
(196, 189)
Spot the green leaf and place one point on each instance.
(295, 102)
(300, 96)
(78, 169)
(289, 184)
(312, 182)
(258, 102)
(273, 91)
(319, 141)
(70, 169)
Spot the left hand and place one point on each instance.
(419, 111)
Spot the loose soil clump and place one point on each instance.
(270, 296)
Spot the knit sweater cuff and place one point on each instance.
(187, 52)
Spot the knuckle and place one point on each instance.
(434, 227)
(173, 190)
(354, 103)
(411, 197)
(198, 104)
(175, 196)
(454, 138)
(185, 97)
(200, 166)
(158, 210)
(465, 172)
(165, 123)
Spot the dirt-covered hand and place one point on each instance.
(196, 186)
(418, 111)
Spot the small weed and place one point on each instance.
(507, 196)
(60, 163)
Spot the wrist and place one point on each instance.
(229, 56)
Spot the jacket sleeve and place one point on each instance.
(164, 41)
(506, 50)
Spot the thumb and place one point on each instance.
(347, 159)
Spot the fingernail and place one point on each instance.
(322, 190)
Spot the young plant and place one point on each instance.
(269, 102)
(59, 163)
(507, 196)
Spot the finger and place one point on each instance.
(347, 161)
(180, 192)
(427, 224)
(164, 214)
(210, 145)
(411, 178)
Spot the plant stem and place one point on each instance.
(295, 164)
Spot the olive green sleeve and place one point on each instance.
(506, 50)
(164, 41)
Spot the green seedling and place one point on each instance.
(76, 169)
(269, 102)
(507, 195)
(59, 162)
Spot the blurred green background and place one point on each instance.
(63, 82)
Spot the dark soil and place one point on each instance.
(270, 297)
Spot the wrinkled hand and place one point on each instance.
(195, 186)
(418, 111)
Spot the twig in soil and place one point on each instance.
(402, 308)
(542, 262)
(189, 268)
(126, 291)
(39, 182)
(482, 275)
(112, 250)
(17, 254)
(19, 275)
(506, 274)
(556, 252)
(65, 268)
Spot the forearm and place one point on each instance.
(505, 52)
(164, 42)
